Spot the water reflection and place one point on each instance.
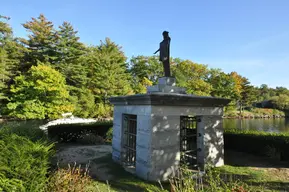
(268, 125)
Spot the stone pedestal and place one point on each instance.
(166, 85)
(158, 129)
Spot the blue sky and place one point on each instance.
(247, 36)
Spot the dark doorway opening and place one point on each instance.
(129, 142)
(188, 141)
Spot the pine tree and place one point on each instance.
(41, 42)
(68, 47)
(69, 51)
(107, 71)
(4, 72)
(11, 53)
(5, 34)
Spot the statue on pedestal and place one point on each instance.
(165, 53)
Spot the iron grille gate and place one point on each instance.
(129, 124)
(188, 141)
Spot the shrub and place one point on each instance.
(231, 114)
(71, 132)
(103, 110)
(109, 134)
(7, 184)
(24, 163)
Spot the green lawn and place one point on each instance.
(264, 179)
(260, 179)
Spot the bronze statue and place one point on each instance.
(165, 53)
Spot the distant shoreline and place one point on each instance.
(255, 117)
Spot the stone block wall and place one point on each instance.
(213, 140)
(158, 138)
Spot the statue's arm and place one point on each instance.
(157, 51)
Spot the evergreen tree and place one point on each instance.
(107, 74)
(11, 53)
(69, 52)
(68, 47)
(249, 93)
(41, 42)
(4, 72)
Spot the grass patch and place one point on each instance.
(260, 179)
(283, 135)
(244, 173)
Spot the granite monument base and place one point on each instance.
(158, 125)
(166, 85)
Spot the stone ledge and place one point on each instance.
(169, 99)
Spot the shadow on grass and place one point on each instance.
(235, 158)
(125, 181)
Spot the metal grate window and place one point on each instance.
(188, 141)
(130, 127)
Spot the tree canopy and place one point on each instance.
(51, 71)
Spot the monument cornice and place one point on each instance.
(169, 99)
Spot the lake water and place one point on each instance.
(268, 125)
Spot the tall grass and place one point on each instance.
(211, 181)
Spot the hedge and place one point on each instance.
(71, 132)
(258, 143)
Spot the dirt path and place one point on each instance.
(85, 155)
(101, 166)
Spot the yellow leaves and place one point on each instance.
(199, 87)
(239, 80)
(146, 82)
(41, 93)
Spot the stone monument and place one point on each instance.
(157, 132)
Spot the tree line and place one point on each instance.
(51, 72)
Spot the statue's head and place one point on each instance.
(165, 34)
